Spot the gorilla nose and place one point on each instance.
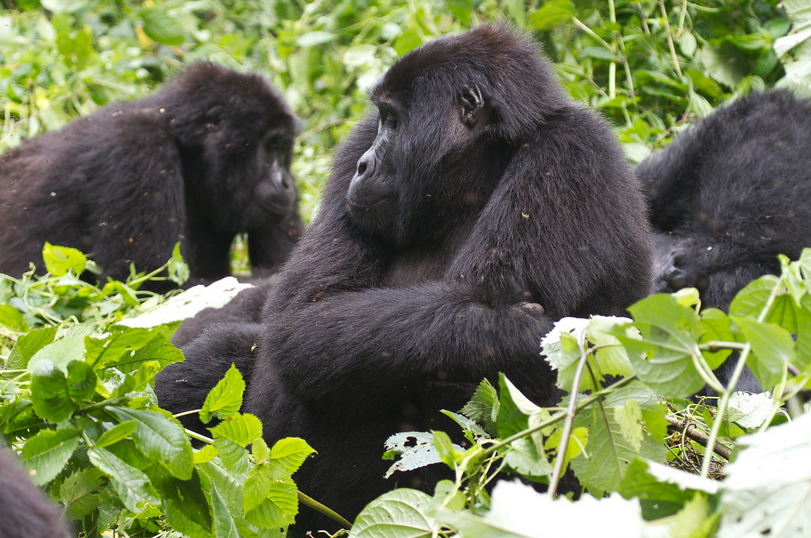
(366, 165)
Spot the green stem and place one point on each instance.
(198, 437)
(723, 403)
(318, 507)
(570, 414)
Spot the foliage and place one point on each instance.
(76, 401)
(611, 428)
(76, 382)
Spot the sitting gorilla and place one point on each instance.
(24, 511)
(474, 207)
(730, 194)
(203, 159)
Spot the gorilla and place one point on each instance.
(205, 158)
(472, 208)
(24, 511)
(729, 195)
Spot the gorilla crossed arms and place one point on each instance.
(473, 207)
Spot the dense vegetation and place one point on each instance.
(76, 397)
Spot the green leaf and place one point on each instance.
(11, 318)
(224, 524)
(49, 392)
(413, 450)
(127, 349)
(552, 14)
(184, 503)
(160, 439)
(115, 434)
(242, 429)
(161, 27)
(269, 504)
(460, 9)
(287, 455)
(79, 492)
(483, 406)
(233, 456)
(668, 334)
(47, 453)
(527, 459)
(773, 349)
(27, 346)
(511, 419)
(716, 328)
(402, 513)
(132, 485)
(751, 300)
(225, 398)
(629, 417)
(205, 454)
(60, 260)
(60, 353)
(178, 268)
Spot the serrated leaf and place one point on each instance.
(133, 486)
(260, 451)
(241, 429)
(27, 346)
(277, 509)
(233, 456)
(414, 450)
(287, 455)
(127, 349)
(79, 492)
(225, 398)
(773, 349)
(205, 454)
(611, 356)
(402, 513)
(60, 260)
(46, 454)
(159, 439)
(751, 300)
(716, 328)
(483, 406)
(184, 503)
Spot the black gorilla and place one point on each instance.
(205, 158)
(24, 511)
(730, 194)
(471, 210)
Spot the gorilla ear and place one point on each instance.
(475, 106)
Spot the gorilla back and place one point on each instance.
(474, 207)
(205, 158)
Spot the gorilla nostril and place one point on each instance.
(361, 168)
(676, 279)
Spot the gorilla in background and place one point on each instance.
(205, 158)
(24, 511)
(474, 207)
(729, 195)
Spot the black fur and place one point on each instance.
(481, 193)
(729, 195)
(24, 511)
(205, 158)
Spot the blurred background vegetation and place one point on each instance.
(649, 66)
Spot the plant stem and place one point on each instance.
(570, 414)
(723, 402)
(318, 507)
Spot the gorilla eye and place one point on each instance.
(388, 119)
